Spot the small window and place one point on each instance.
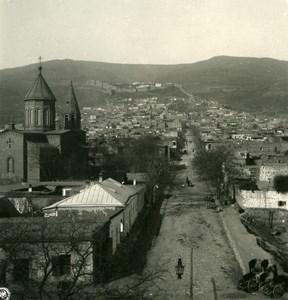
(281, 203)
(31, 116)
(121, 226)
(38, 117)
(66, 121)
(61, 265)
(21, 270)
(46, 117)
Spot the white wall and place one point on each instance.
(261, 199)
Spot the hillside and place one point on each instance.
(251, 84)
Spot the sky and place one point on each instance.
(141, 31)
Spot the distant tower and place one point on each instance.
(40, 106)
(72, 116)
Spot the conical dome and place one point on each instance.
(40, 90)
(72, 116)
(71, 102)
(40, 106)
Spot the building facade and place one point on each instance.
(46, 148)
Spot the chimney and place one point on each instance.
(100, 177)
(134, 181)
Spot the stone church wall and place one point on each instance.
(11, 147)
(33, 158)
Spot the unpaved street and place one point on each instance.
(191, 231)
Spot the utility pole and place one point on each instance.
(191, 274)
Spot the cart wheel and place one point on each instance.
(267, 289)
(278, 291)
(241, 284)
(252, 285)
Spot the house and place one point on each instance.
(121, 203)
(46, 255)
(265, 199)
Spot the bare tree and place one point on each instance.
(57, 252)
(217, 167)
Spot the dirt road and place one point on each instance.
(191, 231)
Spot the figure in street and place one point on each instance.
(179, 268)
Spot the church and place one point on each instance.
(48, 147)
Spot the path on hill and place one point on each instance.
(191, 231)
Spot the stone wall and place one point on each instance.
(269, 172)
(11, 148)
(262, 199)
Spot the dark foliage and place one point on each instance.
(281, 183)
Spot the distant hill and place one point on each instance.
(250, 84)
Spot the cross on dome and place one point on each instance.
(40, 60)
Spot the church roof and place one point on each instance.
(71, 102)
(40, 89)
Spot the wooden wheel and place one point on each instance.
(278, 291)
(241, 284)
(252, 285)
(267, 289)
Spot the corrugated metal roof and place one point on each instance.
(40, 90)
(108, 193)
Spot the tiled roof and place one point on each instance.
(40, 90)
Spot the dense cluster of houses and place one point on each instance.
(133, 118)
(260, 146)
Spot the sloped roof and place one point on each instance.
(71, 102)
(40, 90)
(108, 193)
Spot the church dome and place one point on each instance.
(40, 89)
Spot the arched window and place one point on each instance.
(10, 164)
(27, 117)
(38, 117)
(73, 121)
(66, 121)
(31, 116)
(46, 117)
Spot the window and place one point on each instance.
(21, 270)
(38, 117)
(73, 121)
(281, 203)
(31, 116)
(61, 265)
(27, 117)
(10, 164)
(46, 117)
(117, 236)
(66, 121)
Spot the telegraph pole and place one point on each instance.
(191, 274)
